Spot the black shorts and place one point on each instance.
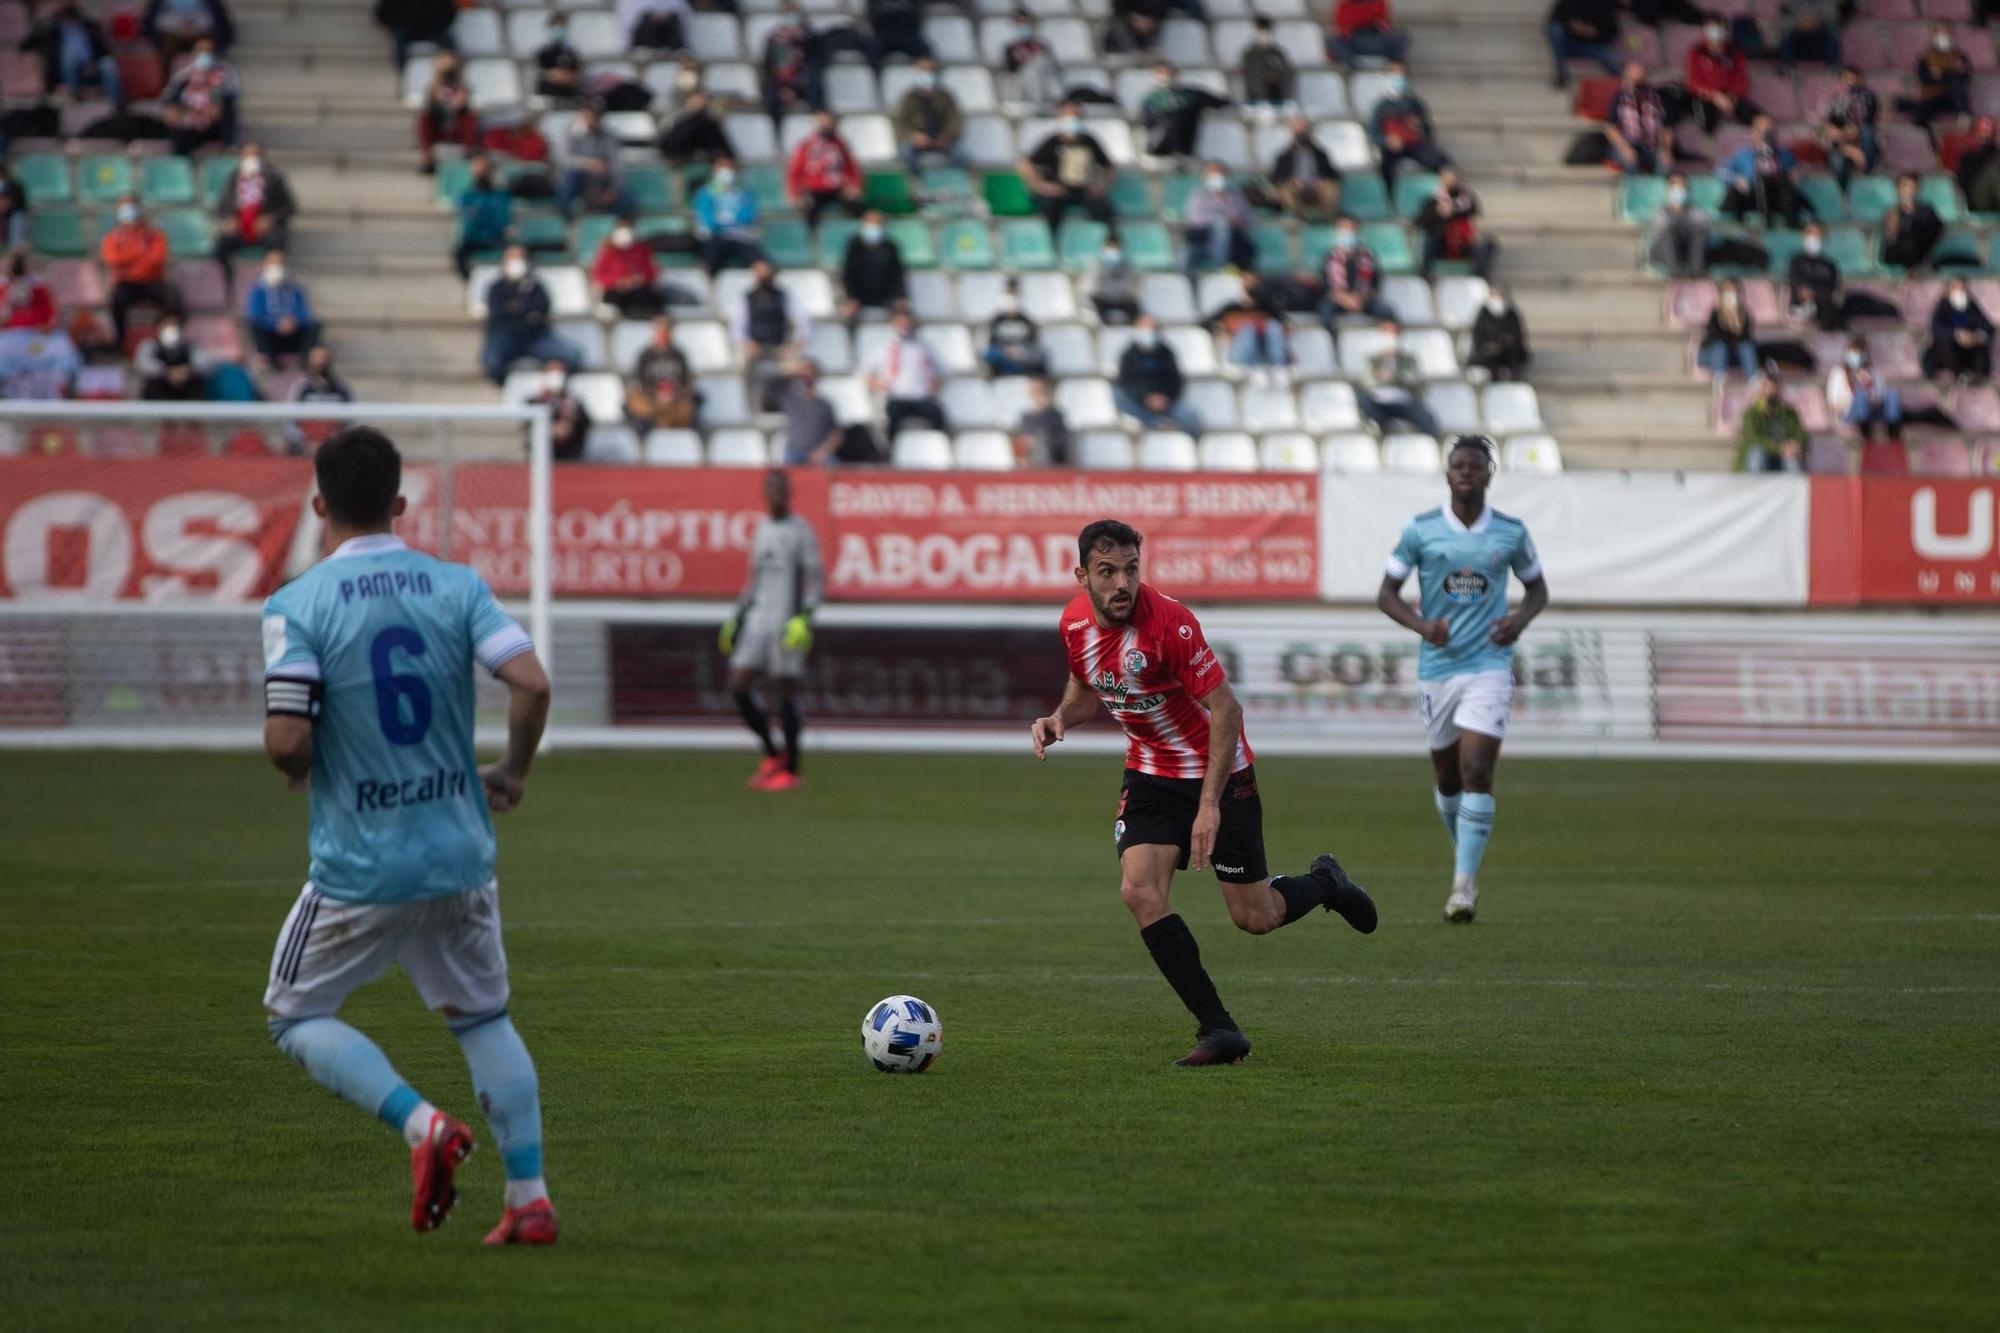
(1160, 812)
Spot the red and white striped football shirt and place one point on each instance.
(1149, 673)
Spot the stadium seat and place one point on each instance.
(587, 335)
(1365, 198)
(913, 238)
(932, 296)
(1458, 301)
(1532, 453)
(1350, 451)
(988, 141)
(966, 245)
(493, 84)
(1511, 408)
(1265, 409)
(59, 232)
(1071, 349)
(979, 295)
(1322, 94)
(1213, 403)
(1435, 353)
(738, 447)
(1410, 298)
(1104, 450)
(1413, 188)
(927, 450)
(1411, 453)
(1455, 405)
(1193, 347)
(611, 444)
(1086, 404)
(1288, 451)
(968, 403)
(1147, 245)
(714, 37)
(1167, 451)
(673, 448)
(830, 348)
(1391, 245)
(1025, 244)
(1942, 458)
(724, 402)
(851, 88)
(1230, 451)
(104, 179)
(811, 289)
(1347, 144)
(1329, 406)
(166, 181)
(44, 178)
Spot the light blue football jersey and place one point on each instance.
(1462, 576)
(398, 812)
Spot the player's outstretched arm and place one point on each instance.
(527, 717)
(1536, 596)
(1078, 706)
(1391, 602)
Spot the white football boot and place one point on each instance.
(1464, 900)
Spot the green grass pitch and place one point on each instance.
(1723, 1051)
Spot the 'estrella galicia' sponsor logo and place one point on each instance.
(1465, 585)
(441, 785)
(1135, 662)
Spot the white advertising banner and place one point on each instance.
(1653, 539)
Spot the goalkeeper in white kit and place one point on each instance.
(770, 632)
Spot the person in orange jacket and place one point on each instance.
(135, 254)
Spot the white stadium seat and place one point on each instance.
(1456, 406)
(521, 386)
(951, 344)
(811, 288)
(527, 31)
(714, 37)
(1322, 94)
(723, 401)
(1411, 453)
(732, 79)
(831, 350)
(979, 295)
(1224, 141)
(610, 444)
(705, 343)
(1458, 300)
(1303, 41)
(602, 395)
(1364, 90)
(1532, 453)
(870, 138)
(1231, 38)
(852, 88)
(1228, 451)
(1165, 296)
(1213, 403)
(929, 450)
(1086, 405)
(493, 84)
(1184, 41)
(739, 448)
(1104, 450)
(988, 141)
(1312, 353)
(1010, 400)
(968, 403)
(1288, 451)
(931, 295)
(983, 451)
(1193, 348)
(750, 134)
(1512, 409)
(1111, 345)
(850, 399)
(1410, 298)
(1047, 297)
(478, 32)
(1269, 409)
(1350, 452)
(951, 39)
(1436, 354)
(569, 291)
(597, 35)
(673, 448)
(629, 338)
(1329, 405)
(1071, 349)
(1167, 451)
(1346, 142)
(587, 336)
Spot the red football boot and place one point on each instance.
(770, 768)
(530, 1224)
(433, 1164)
(783, 780)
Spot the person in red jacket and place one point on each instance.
(24, 302)
(625, 274)
(1362, 28)
(135, 256)
(822, 172)
(1718, 78)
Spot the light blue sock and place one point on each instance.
(1448, 812)
(503, 1075)
(343, 1061)
(1475, 826)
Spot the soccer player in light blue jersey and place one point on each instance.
(368, 699)
(1461, 554)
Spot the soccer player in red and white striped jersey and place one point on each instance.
(1190, 795)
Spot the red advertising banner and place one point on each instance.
(1928, 541)
(207, 529)
(908, 537)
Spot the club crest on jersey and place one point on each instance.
(1465, 585)
(1135, 662)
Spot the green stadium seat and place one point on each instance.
(215, 171)
(1869, 197)
(506, 173)
(1964, 244)
(651, 227)
(649, 189)
(890, 192)
(1007, 195)
(1391, 245)
(1412, 188)
(767, 182)
(1639, 197)
(913, 238)
(1847, 247)
(1025, 245)
(1781, 245)
(59, 232)
(1078, 242)
(590, 233)
(1148, 245)
(187, 233)
(104, 179)
(1314, 242)
(543, 233)
(1274, 247)
(946, 187)
(454, 177)
(834, 234)
(967, 245)
(1175, 191)
(1706, 192)
(1941, 193)
(166, 181)
(1131, 198)
(1364, 197)
(44, 178)
(788, 243)
(1829, 205)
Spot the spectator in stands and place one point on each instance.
(135, 257)
(1858, 395)
(1978, 173)
(1847, 128)
(1635, 126)
(813, 433)
(1499, 338)
(1171, 113)
(1304, 181)
(125, 125)
(905, 376)
(569, 419)
(725, 219)
(1041, 436)
(1401, 128)
(1112, 284)
(896, 27)
(871, 271)
(27, 304)
(485, 215)
(1030, 81)
(1450, 231)
(279, 314)
(254, 210)
(1944, 81)
(74, 52)
(175, 26)
(694, 134)
(199, 101)
(661, 394)
(447, 115)
(1013, 341)
(1680, 232)
(1961, 337)
(1069, 168)
(822, 172)
(1351, 278)
(1763, 177)
(593, 167)
(1911, 229)
(1269, 79)
(1362, 31)
(656, 25)
(1218, 225)
(770, 327)
(1584, 30)
(166, 366)
(791, 65)
(1814, 280)
(1150, 383)
(1394, 386)
(1718, 78)
(517, 321)
(1772, 438)
(1730, 338)
(1251, 327)
(558, 65)
(318, 385)
(625, 274)
(15, 216)
(1808, 30)
(1134, 26)
(928, 121)
(413, 21)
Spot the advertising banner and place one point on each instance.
(1928, 541)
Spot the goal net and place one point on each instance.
(138, 541)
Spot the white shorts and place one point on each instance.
(450, 946)
(762, 648)
(1479, 701)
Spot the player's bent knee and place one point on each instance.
(1145, 901)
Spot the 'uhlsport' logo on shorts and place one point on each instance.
(1465, 585)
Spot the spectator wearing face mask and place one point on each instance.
(1450, 231)
(871, 271)
(904, 375)
(1730, 338)
(1635, 126)
(1171, 113)
(135, 257)
(1304, 181)
(1030, 81)
(279, 314)
(1270, 80)
(694, 134)
(1351, 279)
(1814, 282)
(1944, 81)
(726, 220)
(770, 327)
(166, 366)
(1041, 436)
(1847, 128)
(1718, 79)
(1112, 284)
(517, 321)
(1150, 383)
(1762, 177)
(1069, 168)
(1250, 326)
(1911, 228)
(593, 169)
(1362, 30)
(1680, 233)
(485, 216)
(791, 66)
(74, 52)
(254, 209)
(447, 114)
(1013, 341)
(1961, 337)
(625, 275)
(661, 393)
(1772, 438)
(1583, 30)
(569, 420)
(1391, 394)
(558, 65)
(1499, 338)
(199, 102)
(1401, 129)
(1858, 395)
(822, 172)
(174, 26)
(318, 385)
(1218, 225)
(928, 121)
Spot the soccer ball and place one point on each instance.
(902, 1035)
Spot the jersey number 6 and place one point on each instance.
(391, 688)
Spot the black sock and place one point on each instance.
(753, 718)
(1302, 893)
(1179, 959)
(788, 714)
